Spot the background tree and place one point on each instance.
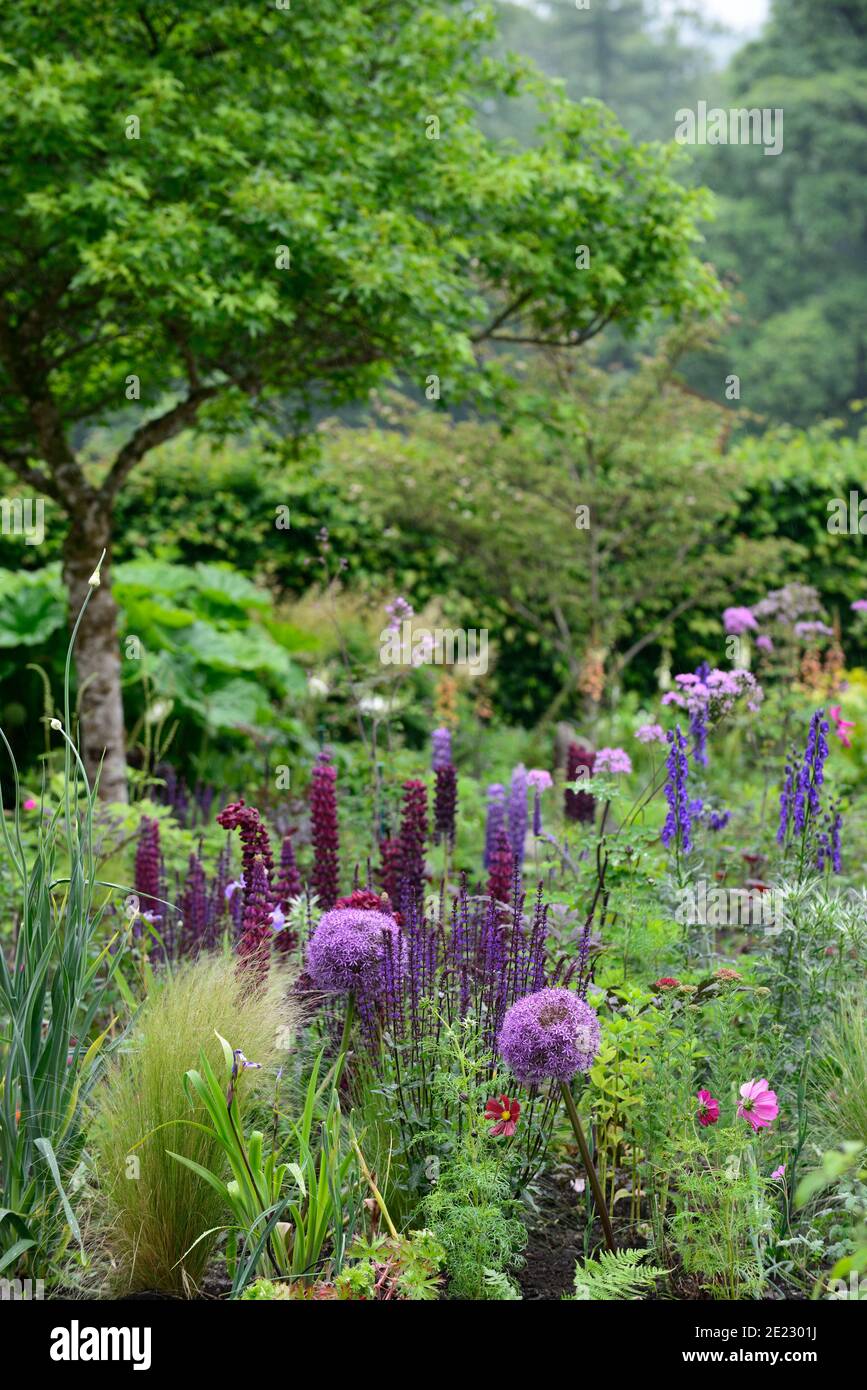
(790, 230)
(217, 210)
(604, 523)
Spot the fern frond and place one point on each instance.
(615, 1278)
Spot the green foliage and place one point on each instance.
(721, 1225)
(401, 1267)
(615, 1277)
(314, 137)
(153, 1211)
(470, 1213)
(53, 984)
(841, 1073)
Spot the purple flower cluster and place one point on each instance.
(612, 760)
(495, 821)
(681, 810)
(326, 834)
(579, 806)
(413, 834)
(800, 802)
(442, 749)
(445, 789)
(518, 812)
(347, 951)
(829, 841)
(149, 872)
(550, 1033)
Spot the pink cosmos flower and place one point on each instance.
(779, 1173)
(708, 1109)
(758, 1104)
(841, 726)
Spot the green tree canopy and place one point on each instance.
(211, 210)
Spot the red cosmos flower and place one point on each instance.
(505, 1112)
(666, 982)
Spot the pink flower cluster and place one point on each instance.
(717, 693)
(612, 760)
(758, 1105)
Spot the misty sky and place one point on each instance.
(738, 14)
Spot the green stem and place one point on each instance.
(344, 1041)
(589, 1166)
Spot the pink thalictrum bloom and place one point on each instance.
(758, 1104)
(779, 1173)
(708, 1108)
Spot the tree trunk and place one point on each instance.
(97, 656)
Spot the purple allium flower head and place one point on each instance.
(347, 950)
(650, 733)
(496, 819)
(765, 643)
(859, 606)
(612, 760)
(736, 621)
(518, 812)
(552, 1033)
(442, 749)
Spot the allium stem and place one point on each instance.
(589, 1166)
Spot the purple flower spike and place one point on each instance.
(442, 749)
(552, 1033)
(518, 812)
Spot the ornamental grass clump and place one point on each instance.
(151, 1210)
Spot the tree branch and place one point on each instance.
(152, 433)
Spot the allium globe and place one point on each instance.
(552, 1033)
(347, 950)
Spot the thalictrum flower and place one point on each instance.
(708, 1109)
(505, 1112)
(758, 1104)
(779, 1173)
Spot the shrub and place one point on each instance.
(154, 1210)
